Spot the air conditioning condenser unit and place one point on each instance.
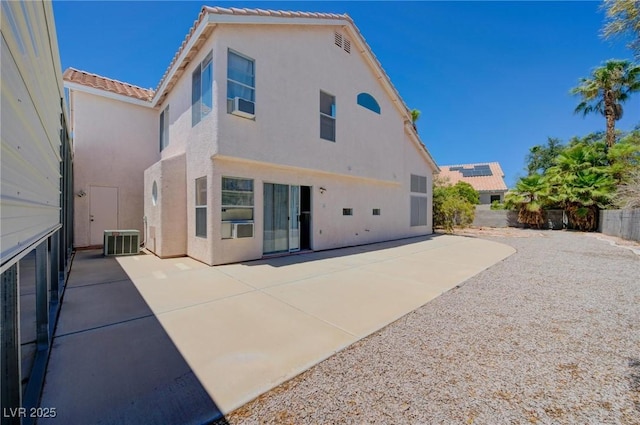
(121, 242)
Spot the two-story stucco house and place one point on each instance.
(270, 132)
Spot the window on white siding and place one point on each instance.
(327, 116)
(418, 184)
(241, 81)
(376, 211)
(201, 207)
(418, 211)
(201, 90)
(164, 128)
(347, 211)
(237, 203)
(418, 203)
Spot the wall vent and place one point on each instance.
(121, 242)
(338, 39)
(347, 46)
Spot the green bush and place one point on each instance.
(497, 205)
(453, 205)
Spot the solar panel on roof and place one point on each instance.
(475, 171)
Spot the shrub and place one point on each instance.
(453, 205)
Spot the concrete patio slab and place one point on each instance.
(196, 286)
(234, 331)
(127, 373)
(242, 346)
(268, 273)
(109, 303)
(356, 301)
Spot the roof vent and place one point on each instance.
(347, 46)
(338, 39)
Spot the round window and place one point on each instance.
(154, 193)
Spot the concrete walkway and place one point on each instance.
(141, 338)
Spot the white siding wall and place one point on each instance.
(31, 124)
(114, 142)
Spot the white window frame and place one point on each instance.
(226, 224)
(332, 117)
(201, 206)
(229, 80)
(197, 112)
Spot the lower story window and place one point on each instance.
(418, 211)
(237, 207)
(201, 207)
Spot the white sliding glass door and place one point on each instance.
(281, 218)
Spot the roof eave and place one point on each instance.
(408, 128)
(105, 93)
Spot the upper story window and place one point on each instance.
(418, 184)
(367, 101)
(241, 85)
(327, 116)
(164, 128)
(201, 90)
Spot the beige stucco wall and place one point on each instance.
(288, 81)
(166, 219)
(114, 142)
(368, 166)
(329, 228)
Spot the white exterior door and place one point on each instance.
(103, 212)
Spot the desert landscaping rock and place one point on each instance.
(551, 335)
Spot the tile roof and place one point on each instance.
(98, 82)
(494, 182)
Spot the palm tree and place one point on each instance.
(623, 18)
(415, 114)
(528, 198)
(604, 92)
(581, 183)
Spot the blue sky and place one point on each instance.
(491, 79)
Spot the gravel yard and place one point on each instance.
(551, 335)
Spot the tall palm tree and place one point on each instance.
(604, 92)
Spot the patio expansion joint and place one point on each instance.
(133, 319)
(84, 285)
(333, 325)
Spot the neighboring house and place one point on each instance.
(35, 202)
(270, 132)
(487, 178)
